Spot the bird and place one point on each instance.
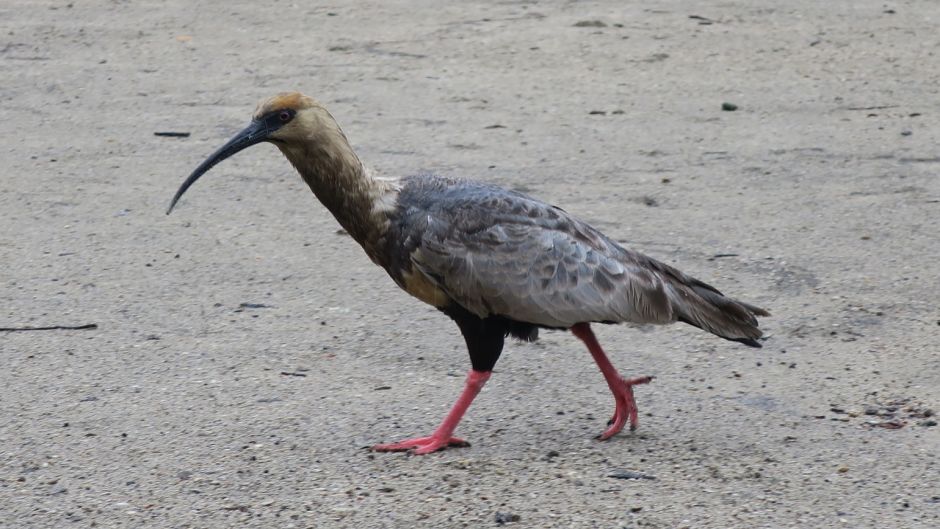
(498, 262)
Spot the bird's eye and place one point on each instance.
(284, 116)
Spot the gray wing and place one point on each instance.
(496, 252)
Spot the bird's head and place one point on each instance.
(287, 120)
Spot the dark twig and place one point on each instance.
(51, 328)
(874, 107)
(629, 474)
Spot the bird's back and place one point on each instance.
(497, 252)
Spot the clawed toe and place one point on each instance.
(637, 381)
(421, 445)
(626, 409)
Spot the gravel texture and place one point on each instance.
(246, 351)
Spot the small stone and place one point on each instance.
(56, 489)
(906, 133)
(729, 107)
(506, 517)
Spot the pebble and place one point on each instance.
(729, 107)
(56, 489)
(506, 517)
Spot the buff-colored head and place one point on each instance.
(295, 120)
(289, 120)
(285, 101)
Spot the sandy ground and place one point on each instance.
(185, 408)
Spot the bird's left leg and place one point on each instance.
(443, 435)
(622, 388)
(484, 339)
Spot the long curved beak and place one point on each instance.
(254, 133)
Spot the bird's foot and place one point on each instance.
(626, 406)
(420, 446)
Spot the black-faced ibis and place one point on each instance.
(498, 262)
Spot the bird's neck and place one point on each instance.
(336, 176)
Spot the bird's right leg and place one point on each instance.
(622, 388)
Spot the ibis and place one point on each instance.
(498, 262)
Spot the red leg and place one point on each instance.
(622, 388)
(442, 437)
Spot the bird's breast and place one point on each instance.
(419, 286)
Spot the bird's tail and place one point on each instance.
(705, 307)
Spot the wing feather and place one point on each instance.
(496, 252)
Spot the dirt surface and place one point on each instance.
(246, 352)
